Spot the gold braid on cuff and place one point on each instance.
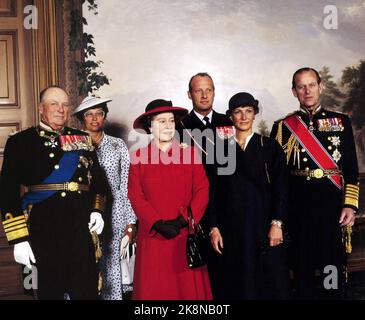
(352, 195)
(15, 228)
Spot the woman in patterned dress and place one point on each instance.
(114, 159)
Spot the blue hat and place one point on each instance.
(242, 99)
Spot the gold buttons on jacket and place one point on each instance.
(329, 147)
(303, 150)
(305, 159)
(51, 155)
(56, 166)
(63, 194)
(80, 179)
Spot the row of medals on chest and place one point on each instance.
(69, 142)
(335, 140)
(53, 143)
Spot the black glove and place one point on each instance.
(168, 231)
(179, 222)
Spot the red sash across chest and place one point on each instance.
(314, 148)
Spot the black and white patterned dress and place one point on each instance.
(114, 159)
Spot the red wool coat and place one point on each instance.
(159, 189)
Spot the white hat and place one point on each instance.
(89, 102)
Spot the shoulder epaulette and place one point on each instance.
(334, 112)
(341, 113)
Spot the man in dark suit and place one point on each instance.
(200, 128)
(201, 123)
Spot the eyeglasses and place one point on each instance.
(90, 115)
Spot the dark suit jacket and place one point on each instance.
(191, 122)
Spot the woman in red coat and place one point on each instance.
(164, 179)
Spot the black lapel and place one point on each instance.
(195, 122)
(215, 117)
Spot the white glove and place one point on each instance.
(124, 247)
(23, 254)
(96, 222)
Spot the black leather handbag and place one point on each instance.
(197, 244)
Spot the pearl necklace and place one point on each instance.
(96, 143)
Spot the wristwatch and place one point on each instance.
(277, 223)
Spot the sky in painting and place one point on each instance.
(151, 48)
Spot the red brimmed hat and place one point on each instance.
(155, 107)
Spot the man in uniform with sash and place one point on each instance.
(323, 191)
(55, 224)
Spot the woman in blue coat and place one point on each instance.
(248, 212)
